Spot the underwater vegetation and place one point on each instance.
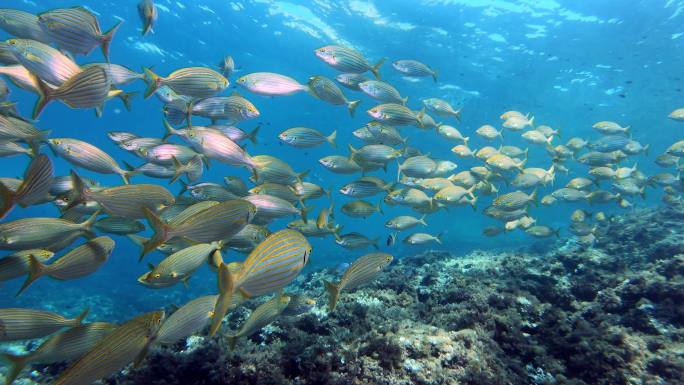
(174, 254)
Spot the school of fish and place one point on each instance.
(204, 219)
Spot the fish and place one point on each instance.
(310, 229)
(127, 201)
(503, 162)
(281, 191)
(580, 183)
(272, 265)
(422, 238)
(519, 122)
(247, 238)
(602, 196)
(76, 30)
(22, 25)
(488, 132)
(88, 156)
(235, 185)
(195, 82)
(463, 151)
(270, 84)
(125, 344)
(269, 207)
(609, 143)
(395, 115)
(304, 137)
(432, 184)
(18, 263)
(86, 89)
(360, 209)
(444, 168)
(232, 108)
(609, 128)
(361, 272)
(452, 133)
(237, 134)
(25, 324)
(37, 182)
(676, 149)
(348, 60)
(179, 266)
(263, 315)
(576, 144)
(580, 215)
(536, 137)
(64, 346)
(118, 74)
(526, 181)
(540, 231)
(677, 115)
(355, 240)
(119, 226)
(79, 262)
(420, 166)
(26, 233)
(514, 200)
(376, 153)
(340, 164)
(414, 68)
(215, 145)
(20, 77)
(441, 107)
(365, 187)
(351, 80)
(454, 195)
(148, 15)
(272, 169)
(165, 153)
(227, 66)
(382, 92)
(46, 63)
(324, 216)
(325, 89)
(492, 231)
(569, 195)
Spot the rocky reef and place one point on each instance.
(608, 314)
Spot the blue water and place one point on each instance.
(568, 63)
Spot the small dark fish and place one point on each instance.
(148, 14)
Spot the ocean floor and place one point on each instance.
(556, 313)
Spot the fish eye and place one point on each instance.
(156, 276)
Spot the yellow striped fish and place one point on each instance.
(127, 343)
(65, 346)
(196, 82)
(79, 262)
(263, 315)
(87, 89)
(271, 266)
(360, 272)
(127, 201)
(41, 232)
(214, 223)
(179, 266)
(17, 264)
(26, 324)
(36, 184)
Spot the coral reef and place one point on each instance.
(611, 314)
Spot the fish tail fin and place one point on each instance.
(422, 220)
(533, 197)
(8, 200)
(126, 98)
(160, 235)
(253, 135)
(152, 80)
(404, 100)
(466, 140)
(331, 139)
(17, 364)
(178, 169)
(472, 202)
(646, 149)
(126, 175)
(438, 238)
(303, 211)
(226, 285)
(434, 75)
(379, 208)
(232, 341)
(642, 192)
(36, 270)
(375, 70)
(45, 96)
(88, 223)
(168, 129)
(79, 320)
(194, 168)
(457, 114)
(333, 294)
(556, 232)
(107, 39)
(352, 106)
(302, 175)
(375, 242)
(558, 132)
